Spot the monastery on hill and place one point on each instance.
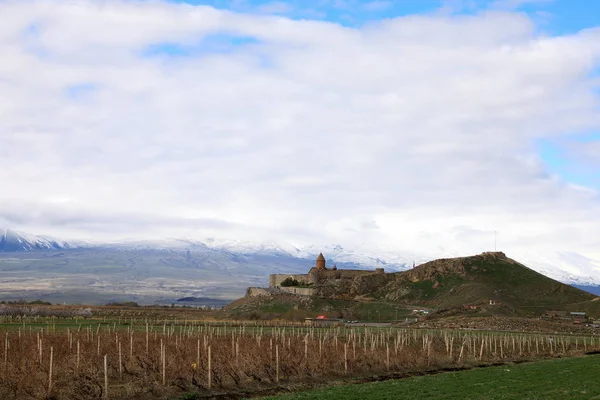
(308, 284)
(320, 274)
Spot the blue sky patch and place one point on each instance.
(556, 17)
(564, 159)
(218, 43)
(80, 91)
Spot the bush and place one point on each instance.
(124, 304)
(287, 282)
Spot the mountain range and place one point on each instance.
(13, 241)
(162, 271)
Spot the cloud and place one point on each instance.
(414, 133)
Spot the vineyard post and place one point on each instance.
(120, 363)
(462, 348)
(387, 351)
(209, 369)
(429, 341)
(105, 376)
(50, 370)
(146, 337)
(481, 351)
(346, 357)
(277, 362)
(237, 353)
(6, 350)
(164, 365)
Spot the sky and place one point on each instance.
(422, 125)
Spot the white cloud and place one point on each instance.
(415, 133)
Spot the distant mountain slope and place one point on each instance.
(476, 280)
(593, 289)
(146, 271)
(13, 241)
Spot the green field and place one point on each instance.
(568, 378)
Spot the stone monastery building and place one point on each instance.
(320, 274)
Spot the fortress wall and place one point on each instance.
(258, 291)
(300, 291)
(343, 273)
(276, 279)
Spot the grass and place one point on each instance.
(568, 378)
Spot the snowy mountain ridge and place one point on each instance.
(13, 241)
(567, 267)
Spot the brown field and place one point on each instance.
(171, 359)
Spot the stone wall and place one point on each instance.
(299, 291)
(258, 291)
(315, 276)
(342, 274)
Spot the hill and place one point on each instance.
(489, 283)
(477, 280)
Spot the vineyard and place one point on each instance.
(81, 360)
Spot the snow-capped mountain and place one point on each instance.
(175, 267)
(566, 267)
(13, 241)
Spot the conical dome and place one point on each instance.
(320, 262)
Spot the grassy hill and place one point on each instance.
(476, 280)
(491, 283)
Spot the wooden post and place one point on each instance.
(120, 362)
(146, 338)
(105, 376)
(462, 348)
(306, 348)
(429, 352)
(50, 370)
(164, 362)
(277, 362)
(209, 369)
(198, 354)
(346, 357)
(481, 351)
(387, 362)
(6, 350)
(77, 354)
(237, 353)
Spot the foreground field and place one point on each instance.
(176, 358)
(569, 379)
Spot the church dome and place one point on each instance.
(320, 264)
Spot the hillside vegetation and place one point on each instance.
(486, 284)
(448, 283)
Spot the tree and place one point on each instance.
(289, 281)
